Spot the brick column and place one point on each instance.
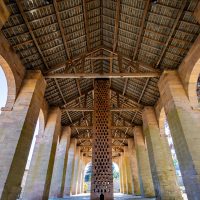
(17, 129)
(147, 188)
(60, 164)
(162, 170)
(134, 166)
(70, 168)
(129, 179)
(40, 173)
(184, 125)
(76, 170)
(4, 14)
(102, 176)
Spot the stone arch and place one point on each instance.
(192, 84)
(13, 69)
(189, 71)
(11, 84)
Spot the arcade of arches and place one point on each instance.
(102, 78)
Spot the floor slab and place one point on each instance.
(117, 196)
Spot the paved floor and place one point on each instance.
(116, 197)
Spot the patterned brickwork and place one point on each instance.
(102, 178)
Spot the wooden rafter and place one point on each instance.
(61, 28)
(116, 31)
(172, 32)
(138, 40)
(31, 32)
(86, 24)
(37, 45)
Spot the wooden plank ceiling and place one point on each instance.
(101, 36)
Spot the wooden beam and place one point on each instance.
(129, 98)
(172, 32)
(113, 146)
(125, 109)
(105, 75)
(141, 29)
(91, 127)
(133, 63)
(138, 41)
(61, 28)
(73, 61)
(114, 138)
(31, 32)
(116, 30)
(86, 24)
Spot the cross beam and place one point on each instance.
(91, 109)
(114, 138)
(105, 75)
(91, 127)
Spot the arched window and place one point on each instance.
(4, 89)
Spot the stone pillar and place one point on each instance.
(134, 166)
(127, 164)
(147, 188)
(70, 168)
(82, 180)
(121, 175)
(124, 172)
(40, 173)
(60, 164)
(162, 170)
(4, 14)
(76, 170)
(16, 134)
(102, 176)
(184, 126)
(80, 175)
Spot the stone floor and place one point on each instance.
(117, 196)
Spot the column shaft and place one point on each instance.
(184, 126)
(80, 173)
(40, 173)
(121, 176)
(60, 164)
(76, 170)
(162, 170)
(70, 168)
(147, 188)
(129, 179)
(134, 167)
(17, 129)
(125, 182)
(102, 176)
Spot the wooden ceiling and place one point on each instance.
(101, 36)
